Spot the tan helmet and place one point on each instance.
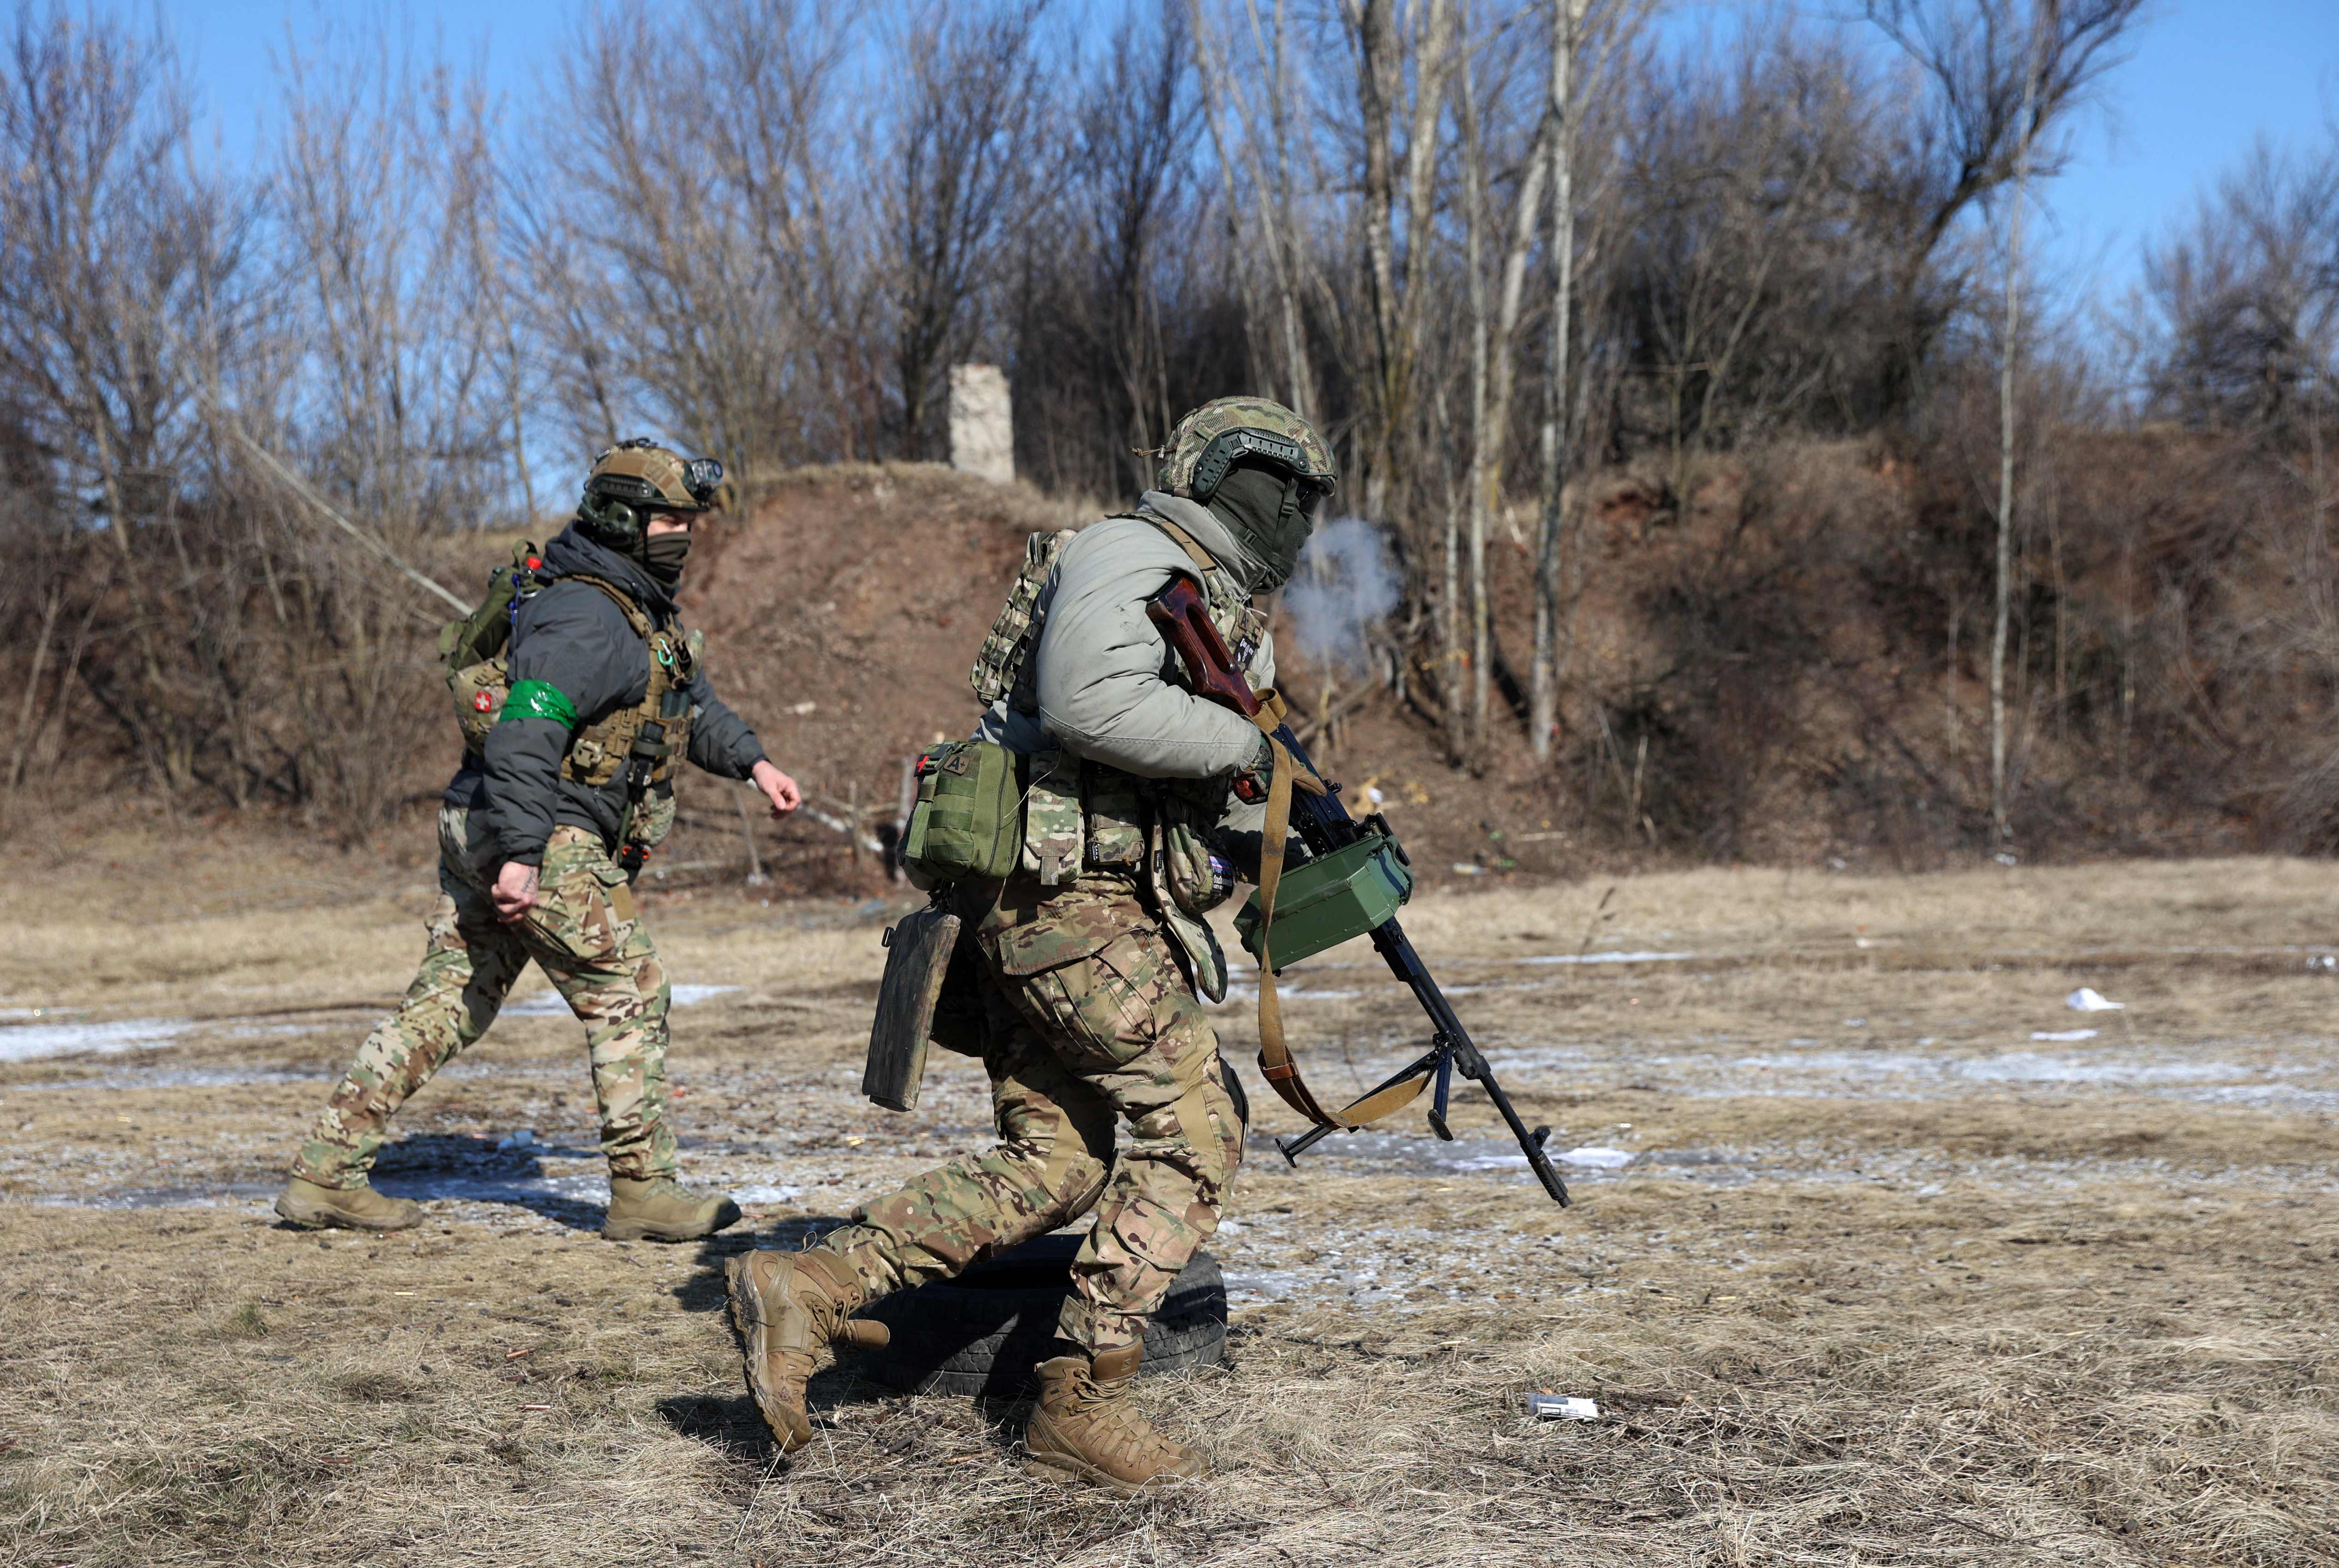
(636, 478)
(1210, 440)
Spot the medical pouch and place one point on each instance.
(968, 823)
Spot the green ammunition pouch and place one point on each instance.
(1328, 902)
(968, 823)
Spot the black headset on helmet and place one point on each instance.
(617, 506)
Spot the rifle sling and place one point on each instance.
(1275, 1060)
(1276, 1063)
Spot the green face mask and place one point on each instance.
(662, 554)
(1272, 514)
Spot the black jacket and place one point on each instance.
(573, 638)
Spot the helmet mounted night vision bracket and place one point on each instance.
(617, 506)
(1230, 447)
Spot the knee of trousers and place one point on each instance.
(1065, 1176)
(1185, 1137)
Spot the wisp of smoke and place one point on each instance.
(1345, 581)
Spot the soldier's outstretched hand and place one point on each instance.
(777, 787)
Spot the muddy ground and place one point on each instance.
(1877, 1255)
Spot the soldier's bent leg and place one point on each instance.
(1124, 1020)
(1055, 1146)
(467, 969)
(586, 935)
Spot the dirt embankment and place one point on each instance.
(842, 616)
(1788, 664)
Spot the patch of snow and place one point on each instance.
(27, 1041)
(1597, 1158)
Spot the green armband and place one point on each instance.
(538, 700)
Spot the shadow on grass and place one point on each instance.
(474, 1168)
(732, 1425)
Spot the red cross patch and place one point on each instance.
(483, 702)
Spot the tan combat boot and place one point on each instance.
(313, 1207)
(784, 1306)
(661, 1209)
(1085, 1429)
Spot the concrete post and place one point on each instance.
(982, 423)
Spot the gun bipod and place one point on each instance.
(1440, 1059)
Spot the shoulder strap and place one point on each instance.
(1185, 541)
(636, 616)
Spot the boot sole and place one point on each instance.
(748, 1326)
(649, 1230)
(317, 1216)
(1065, 1469)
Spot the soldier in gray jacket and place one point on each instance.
(1092, 957)
(538, 834)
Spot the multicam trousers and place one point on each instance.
(1086, 1020)
(585, 935)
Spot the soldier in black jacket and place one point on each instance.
(538, 833)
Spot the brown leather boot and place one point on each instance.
(1085, 1429)
(784, 1306)
(313, 1207)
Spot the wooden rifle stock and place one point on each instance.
(1184, 617)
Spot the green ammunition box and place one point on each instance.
(1324, 902)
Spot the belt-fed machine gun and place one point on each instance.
(1366, 853)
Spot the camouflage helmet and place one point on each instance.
(637, 477)
(1210, 440)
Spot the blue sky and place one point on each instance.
(2206, 77)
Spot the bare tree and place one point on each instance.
(117, 262)
(2244, 298)
(2004, 74)
(698, 273)
(2009, 344)
(1493, 331)
(1263, 152)
(962, 167)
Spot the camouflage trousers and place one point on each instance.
(584, 934)
(1088, 1021)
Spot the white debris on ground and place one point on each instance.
(2088, 999)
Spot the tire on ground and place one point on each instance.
(983, 1332)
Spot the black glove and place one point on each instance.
(1251, 781)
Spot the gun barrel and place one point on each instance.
(1325, 826)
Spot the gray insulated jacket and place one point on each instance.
(573, 638)
(1103, 669)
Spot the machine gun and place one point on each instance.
(1327, 830)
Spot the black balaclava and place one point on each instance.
(662, 557)
(1261, 506)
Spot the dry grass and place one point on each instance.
(1925, 1290)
